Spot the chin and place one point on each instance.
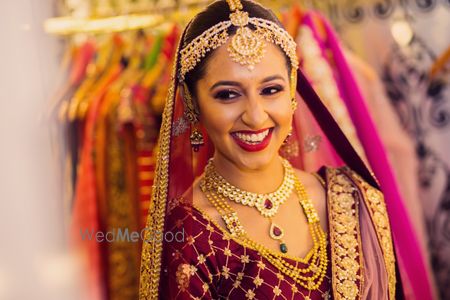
(254, 161)
(250, 158)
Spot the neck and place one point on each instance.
(263, 180)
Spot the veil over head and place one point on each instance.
(317, 140)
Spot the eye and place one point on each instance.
(226, 95)
(272, 90)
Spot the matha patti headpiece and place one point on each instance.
(247, 46)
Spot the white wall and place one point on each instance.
(33, 260)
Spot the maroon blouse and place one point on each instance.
(208, 264)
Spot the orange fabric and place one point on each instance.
(85, 210)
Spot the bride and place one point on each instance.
(254, 225)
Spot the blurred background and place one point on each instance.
(83, 85)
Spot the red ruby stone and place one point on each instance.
(276, 231)
(268, 204)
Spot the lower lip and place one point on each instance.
(254, 147)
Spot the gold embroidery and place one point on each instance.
(377, 209)
(225, 272)
(201, 259)
(258, 281)
(277, 291)
(236, 284)
(205, 287)
(183, 275)
(209, 227)
(261, 265)
(227, 252)
(240, 275)
(280, 276)
(244, 259)
(344, 237)
(250, 294)
(152, 250)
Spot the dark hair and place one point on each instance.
(214, 13)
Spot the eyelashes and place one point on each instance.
(226, 95)
(272, 90)
(229, 94)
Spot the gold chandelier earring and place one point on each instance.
(286, 140)
(196, 136)
(290, 147)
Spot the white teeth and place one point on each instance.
(254, 138)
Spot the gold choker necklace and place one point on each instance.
(310, 277)
(266, 204)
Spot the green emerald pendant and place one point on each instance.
(283, 248)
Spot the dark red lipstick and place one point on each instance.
(253, 147)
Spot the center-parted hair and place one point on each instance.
(214, 13)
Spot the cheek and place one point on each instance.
(217, 119)
(282, 113)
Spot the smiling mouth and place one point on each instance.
(252, 138)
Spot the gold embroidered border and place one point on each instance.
(377, 208)
(346, 256)
(152, 248)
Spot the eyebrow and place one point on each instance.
(235, 83)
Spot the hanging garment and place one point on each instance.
(403, 61)
(371, 145)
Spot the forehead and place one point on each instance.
(222, 67)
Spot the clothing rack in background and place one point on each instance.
(152, 15)
(120, 56)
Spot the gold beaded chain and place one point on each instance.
(310, 277)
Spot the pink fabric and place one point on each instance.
(411, 261)
(375, 276)
(399, 146)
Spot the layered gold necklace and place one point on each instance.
(217, 190)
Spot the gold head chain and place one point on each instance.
(247, 46)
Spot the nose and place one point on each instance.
(255, 114)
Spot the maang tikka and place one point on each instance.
(247, 47)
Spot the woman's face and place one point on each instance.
(246, 113)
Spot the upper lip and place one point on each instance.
(252, 131)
